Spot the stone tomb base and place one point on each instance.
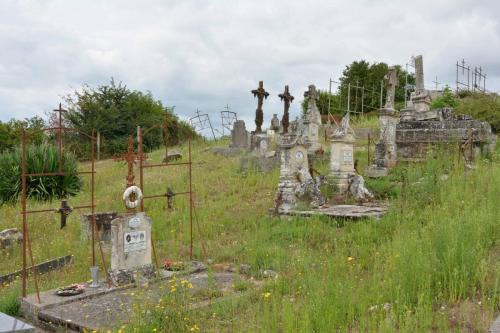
(105, 308)
(415, 138)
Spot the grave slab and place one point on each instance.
(343, 211)
(10, 324)
(115, 307)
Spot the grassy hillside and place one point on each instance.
(432, 264)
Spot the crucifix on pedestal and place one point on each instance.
(287, 98)
(260, 93)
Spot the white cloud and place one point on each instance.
(204, 54)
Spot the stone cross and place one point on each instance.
(391, 79)
(260, 93)
(287, 98)
(312, 95)
(419, 73)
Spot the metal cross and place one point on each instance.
(436, 82)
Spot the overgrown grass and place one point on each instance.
(431, 264)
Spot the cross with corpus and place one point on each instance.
(312, 95)
(287, 98)
(260, 93)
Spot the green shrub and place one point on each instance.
(481, 107)
(445, 100)
(41, 158)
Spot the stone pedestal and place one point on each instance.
(293, 159)
(239, 135)
(388, 121)
(130, 248)
(342, 160)
(260, 143)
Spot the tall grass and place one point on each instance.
(431, 264)
(39, 159)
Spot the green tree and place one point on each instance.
(370, 76)
(11, 132)
(115, 111)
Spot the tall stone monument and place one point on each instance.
(312, 120)
(287, 98)
(385, 149)
(261, 94)
(294, 160)
(342, 155)
(420, 99)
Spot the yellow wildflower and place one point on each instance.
(350, 258)
(266, 295)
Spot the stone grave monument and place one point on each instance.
(420, 99)
(131, 243)
(259, 141)
(342, 155)
(293, 159)
(385, 149)
(239, 135)
(421, 127)
(312, 120)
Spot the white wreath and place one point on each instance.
(138, 197)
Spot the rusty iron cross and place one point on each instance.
(129, 158)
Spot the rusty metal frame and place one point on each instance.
(26, 245)
(189, 191)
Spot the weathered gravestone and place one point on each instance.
(294, 161)
(239, 135)
(275, 123)
(342, 155)
(385, 151)
(312, 120)
(131, 248)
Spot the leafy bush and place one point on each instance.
(481, 107)
(445, 100)
(41, 158)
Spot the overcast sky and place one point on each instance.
(206, 54)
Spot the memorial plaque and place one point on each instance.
(347, 156)
(134, 241)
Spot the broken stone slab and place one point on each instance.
(343, 211)
(10, 324)
(9, 237)
(228, 152)
(172, 155)
(374, 171)
(41, 268)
